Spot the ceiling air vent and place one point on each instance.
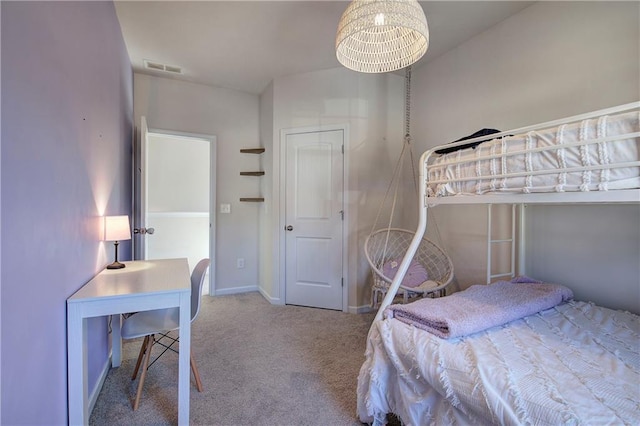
(157, 66)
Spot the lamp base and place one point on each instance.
(116, 265)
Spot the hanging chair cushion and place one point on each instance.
(416, 274)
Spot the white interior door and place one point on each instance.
(140, 191)
(175, 215)
(314, 219)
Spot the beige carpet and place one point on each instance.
(260, 365)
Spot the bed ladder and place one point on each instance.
(492, 243)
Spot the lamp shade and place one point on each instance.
(376, 36)
(116, 228)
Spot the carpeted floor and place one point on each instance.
(260, 365)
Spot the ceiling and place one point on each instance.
(244, 45)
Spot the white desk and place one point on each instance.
(140, 286)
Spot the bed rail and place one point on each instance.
(568, 149)
(547, 124)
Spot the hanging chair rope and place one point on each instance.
(392, 243)
(407, 124)
(406, 146)
(395, 177)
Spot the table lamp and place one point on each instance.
(116, 228)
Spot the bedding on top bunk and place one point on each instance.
(612, 152)
(575, 363)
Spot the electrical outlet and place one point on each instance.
(225, 208)
(240, 263)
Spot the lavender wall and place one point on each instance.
(67, 111)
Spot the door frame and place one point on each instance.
(213, 148)
(283, 208)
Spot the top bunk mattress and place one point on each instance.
(590, 155)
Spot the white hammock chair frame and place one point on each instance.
(389, 244)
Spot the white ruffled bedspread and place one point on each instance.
(572, 364)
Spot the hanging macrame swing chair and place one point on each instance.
(431, 269)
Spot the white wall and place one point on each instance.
(167, 178)
(553, 59)
(231, 116)
(268, 287)
(372, 107)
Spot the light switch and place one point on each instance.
(225, 208)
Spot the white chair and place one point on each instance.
(161, 321)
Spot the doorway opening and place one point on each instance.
(175, 198)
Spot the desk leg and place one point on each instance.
(116, 340)
(184, 371)
(77, 366)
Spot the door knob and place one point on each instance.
(143, 231)
(289, 228)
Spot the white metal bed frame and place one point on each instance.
(590, 197)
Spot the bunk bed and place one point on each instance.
(516, 351)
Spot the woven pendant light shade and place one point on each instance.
(376, 36)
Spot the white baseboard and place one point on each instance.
(278, 301)
(270, 299)
(235, 290)
(363, 309)
(93, 396)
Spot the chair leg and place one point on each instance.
(376, 294)
(196, 374)
(143, 375)
(140, 355)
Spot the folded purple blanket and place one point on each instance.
(480, 307)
